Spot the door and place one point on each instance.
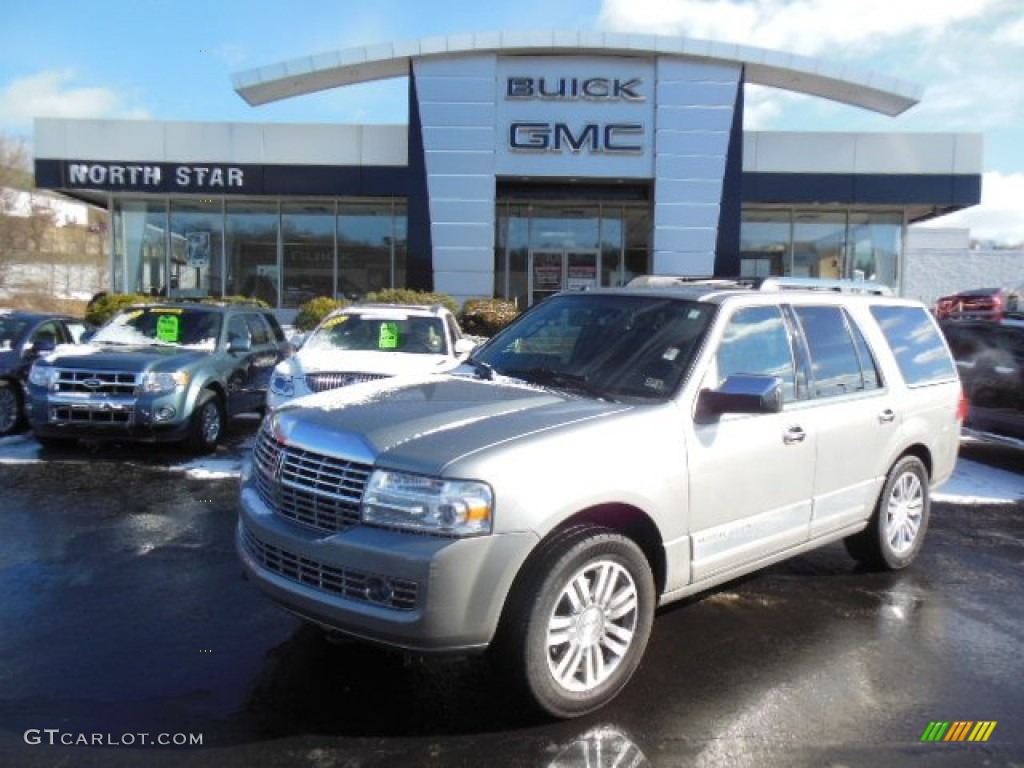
(557, 270)
(751, 475)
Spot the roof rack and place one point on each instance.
(821, 284)
(762, 283)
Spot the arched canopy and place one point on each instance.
(801, 74)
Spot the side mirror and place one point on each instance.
(86, 337)
(741, 393)
(44, 345)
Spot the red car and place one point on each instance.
(981, 304)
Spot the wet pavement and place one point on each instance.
(122, 613)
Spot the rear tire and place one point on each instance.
(207, 424)
(11, 414)
(896, 530)
(578, 620)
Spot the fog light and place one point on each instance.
(378, 590)
(165, 413)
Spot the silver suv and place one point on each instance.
(609, 452)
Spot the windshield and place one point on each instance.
(11, 330)
(391, 332)
(171, 326)
(609, 345)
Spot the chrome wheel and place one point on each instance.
(210, 423)
(904, 512)
(591, 628)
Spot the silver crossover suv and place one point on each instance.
(609, 452)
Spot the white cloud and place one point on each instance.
(53, 93)
(1000, 215)
(809, 27)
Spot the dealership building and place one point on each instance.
(531, 163)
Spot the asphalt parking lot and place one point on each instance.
(126, 632)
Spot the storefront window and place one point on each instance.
(140, 246)
(252, 251)
(307, 234)
(366, 245)
(764, 243)
(876, 241)
(197, 249)
(818, 241)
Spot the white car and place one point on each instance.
(370, 341)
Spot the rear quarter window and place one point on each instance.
(916, 343)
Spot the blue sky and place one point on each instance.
(173, 60)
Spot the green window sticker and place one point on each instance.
(168, 328)
(387, 338)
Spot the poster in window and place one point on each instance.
(198, 248)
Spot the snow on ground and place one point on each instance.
(972, 482)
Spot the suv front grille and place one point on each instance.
(320, 491)
(102, 383)
(321, 382)
(399, 594)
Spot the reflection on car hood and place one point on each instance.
(351, 361)
(422, 424)
(105, 357)
(9, 360)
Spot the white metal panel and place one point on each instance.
(694, 190)
(464, 259)
(686, 118)
(445, 138)
(687, 214)
(384, 145)
(693, 142)
(692, 167)
(128, 140)
(684, 239)
(786, 152)
(697, 264)
(697, 94)
(462, 234)
(456, 114)
(312, 144)
(457, 89)
(465, 285)
(466, 187)
(456, 161)
(446, 211)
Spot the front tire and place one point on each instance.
(11, 414)
(579, 620)
(207, 424)
(896, 530)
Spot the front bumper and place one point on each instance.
(150, 419)
(418, 593)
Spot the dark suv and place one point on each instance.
(162, 372)
(990, 359)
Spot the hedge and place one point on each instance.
(485, 317)
(104, 306)
(313, 311)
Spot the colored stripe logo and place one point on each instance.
(959, 730)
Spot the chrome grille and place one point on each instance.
(96, 382)
(321, 382)
(399, 594)
(316, 490)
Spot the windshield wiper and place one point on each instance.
(564, 379)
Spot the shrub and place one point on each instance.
(315, 310)
(104, 306)
(409, 296)
(485, 317)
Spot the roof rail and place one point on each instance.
(821, 284)
(669, 281)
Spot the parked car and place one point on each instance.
(162, 372)
(367, 342)
(990, 359)
(24, 336)
(982, 304)
(608, 452)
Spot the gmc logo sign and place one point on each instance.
(611, 138)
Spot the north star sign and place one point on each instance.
(156, 177)
(617, 138)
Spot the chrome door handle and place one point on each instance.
(794, 434)
(887, 416)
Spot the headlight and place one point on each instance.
(159, 383)
(42, 375)
(428, 504)
(282, 384)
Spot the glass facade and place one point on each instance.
(848, 244)
(283, 252)
(286, 252)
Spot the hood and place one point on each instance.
(110, 357)
(425, 423)
(352, 361)
(10, 359)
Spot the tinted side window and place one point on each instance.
(258, 329)
(756, 341)
(917, 345)
(837, 364)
